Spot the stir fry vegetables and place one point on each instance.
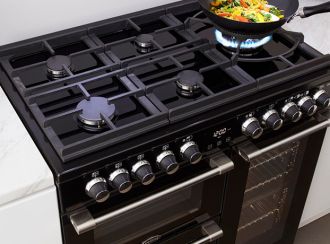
(249, 11)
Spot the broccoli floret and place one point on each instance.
(275, 11)
(267, 17)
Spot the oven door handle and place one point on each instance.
(212, 231)
(83, 221)
(249, 151)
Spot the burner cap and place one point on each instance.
(55, 65)
(188, 82)
(144, 43)
(92, 112)
(144, 40)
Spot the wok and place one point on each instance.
(290, 10)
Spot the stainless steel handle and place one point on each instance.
(249, 151)
(83, 220)
(213, 232)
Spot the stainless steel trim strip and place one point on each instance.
(210, 238)
(248, 156)
(213, 232)
(83, 221)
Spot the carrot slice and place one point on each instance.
(244, 4)
(266, 9)
(215, 3)
(241, 19)
(263, 7)
(224, 14)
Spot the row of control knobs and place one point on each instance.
(97, 188)
(291, 111)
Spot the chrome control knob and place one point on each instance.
(167, 162)
(142, 171)
(190, 152)
(271, 119)
(120, 180)
(291, 112)
(307, 105)
(251, 127)
(322, 98)
(97, 188)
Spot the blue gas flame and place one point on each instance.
(232, 42)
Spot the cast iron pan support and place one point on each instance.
(235, 56)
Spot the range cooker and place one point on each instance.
(160, 128)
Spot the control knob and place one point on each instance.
(271, 119)
(167, 162)
(322, 98)
(190, 151)
(307, 105)
(97, 189)
(251, 127)
(120, 180)
(290, 111)
(142, 171)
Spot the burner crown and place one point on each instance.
(94, 111)
(248, 44)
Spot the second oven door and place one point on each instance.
(281, 170)
(188, 211)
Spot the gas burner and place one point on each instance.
(188, 83)
(248, 47)
(56, 64)
(93, 113)
(144, 43)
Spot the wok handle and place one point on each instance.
(317, 9)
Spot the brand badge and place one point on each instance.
(152, 239)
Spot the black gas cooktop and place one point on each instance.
(95, 86)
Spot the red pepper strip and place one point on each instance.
(224, 14)
(243, 3)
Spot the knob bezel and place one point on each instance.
(267, 115)
(137, 166)
(92, 183)
(186, 146)
(116, 173)
(255, 134)
(312, 110)
(318, 94)
(297, 115)
(163, 155)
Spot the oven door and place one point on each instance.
(280, 174)
(187, 212)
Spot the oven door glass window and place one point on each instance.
(273, 184)
(164, 214)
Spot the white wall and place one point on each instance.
(23, 19)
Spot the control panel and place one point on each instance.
(290, 110)
(166, 159)
(142, 168)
